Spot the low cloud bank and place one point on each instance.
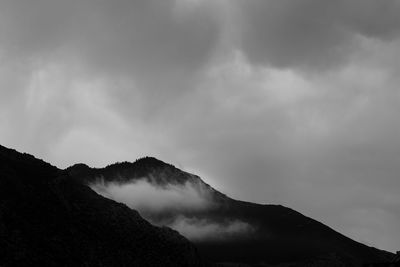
(173, 205)
(204, 229)
(150, 198)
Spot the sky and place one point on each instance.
(292, 102)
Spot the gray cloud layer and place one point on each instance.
(311, 33)
(294, 102)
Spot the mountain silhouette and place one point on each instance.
(266, 234)
(48, 219)
(53, 217)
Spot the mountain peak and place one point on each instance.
(78, 168)
(147, 163)
(148, 160)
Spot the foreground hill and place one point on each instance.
(225, 230)
(48, 219)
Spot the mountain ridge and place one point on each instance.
(321, 239)
(44, 211)
(48, 219)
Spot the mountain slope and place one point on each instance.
(224, 229)
(48, 219)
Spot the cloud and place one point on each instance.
(150, 198)
(124, 34)
(157, 45)
(330, 135)
(204, 229)
(174, 205)
(313, 34)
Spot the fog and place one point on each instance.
(203, 229)
(175, 206)
(150, 198)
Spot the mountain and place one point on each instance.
(224, 230)
(76, 217)
(47, 218)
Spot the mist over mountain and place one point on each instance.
(84, 216)
(223, 229)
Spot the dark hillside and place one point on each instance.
(48, 219)
(279, 234)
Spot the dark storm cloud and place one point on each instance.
(158, 44)
(54, 52)
(312, 33)
(120, 34)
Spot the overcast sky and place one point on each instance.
(294, 102)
